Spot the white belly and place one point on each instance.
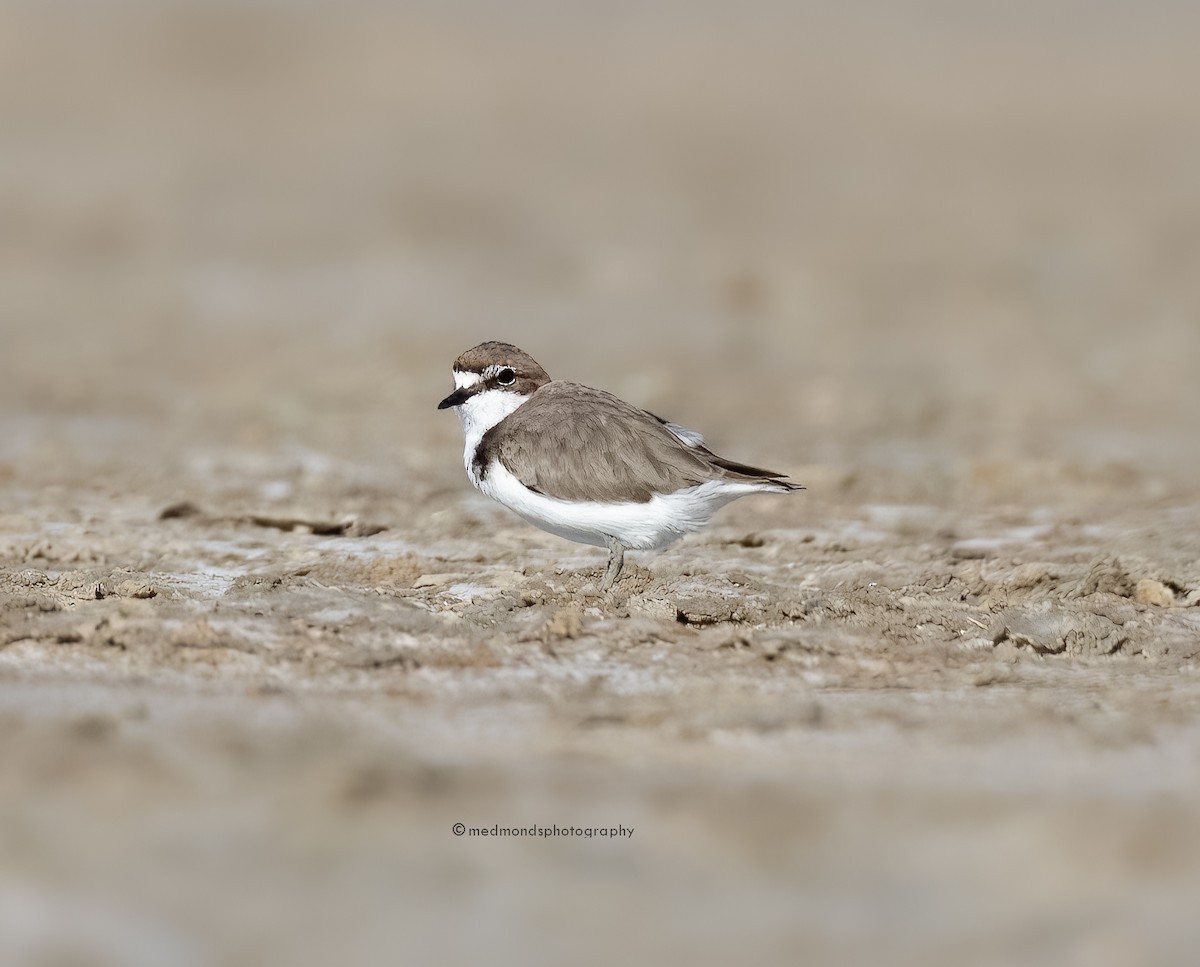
(651, 525)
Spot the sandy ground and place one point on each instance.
(262, 646)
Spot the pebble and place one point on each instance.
(653, 606)
(566, 623)
(976, 644)
(1155, 593)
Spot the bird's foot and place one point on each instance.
(616, 560)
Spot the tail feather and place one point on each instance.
(780, 486)
(753, 473)
(748, 472)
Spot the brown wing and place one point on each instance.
(577, 443)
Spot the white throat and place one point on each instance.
(480, 413)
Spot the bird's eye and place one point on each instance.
(506, 377)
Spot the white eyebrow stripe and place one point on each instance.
(463, 379)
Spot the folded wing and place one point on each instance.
(576, 443)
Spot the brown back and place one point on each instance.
(577, 443)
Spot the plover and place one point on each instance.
(581, 463)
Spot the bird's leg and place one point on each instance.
(616, 559)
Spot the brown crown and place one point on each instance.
(487, 354)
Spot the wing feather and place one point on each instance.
(606, 450)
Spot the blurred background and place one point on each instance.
(910, 230)
(913, 251)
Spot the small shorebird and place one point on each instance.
(581, 463)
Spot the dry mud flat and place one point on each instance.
(939, 709)
(894, 730)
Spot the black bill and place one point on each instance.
(457, 398)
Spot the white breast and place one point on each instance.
(479, 414)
